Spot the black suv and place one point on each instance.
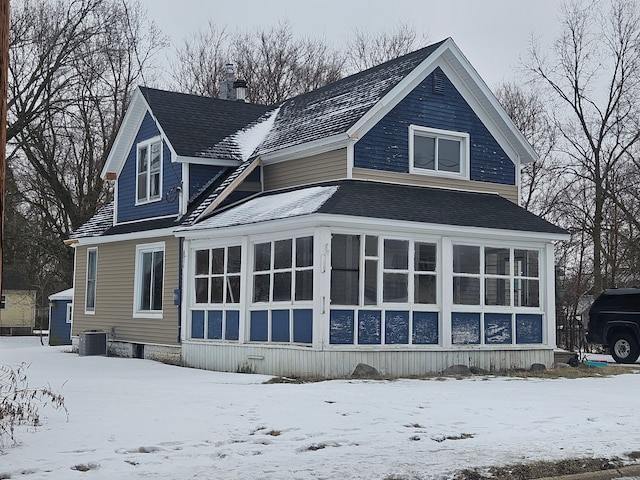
(614, 321)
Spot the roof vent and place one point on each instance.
(438, 82)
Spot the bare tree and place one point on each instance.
(594, 77)
(201, 60)
(74, 65)
(540, 179)
(366, 49)
(277, 66)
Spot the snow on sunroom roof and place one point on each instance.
(270, 207)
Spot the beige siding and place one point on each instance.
(302, 171)
(510, 192)
(114, 294)
(305, 362)
(20, 309)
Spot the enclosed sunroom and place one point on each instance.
(314, 280)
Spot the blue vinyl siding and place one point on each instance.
(171, 177)
(200, 175)
(59, 329)
(386, 145)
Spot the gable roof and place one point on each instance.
(369, 199)
(193, 123)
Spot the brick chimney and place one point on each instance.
(231, 88)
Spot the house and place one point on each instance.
(60, 317)
(17, 311)
(374, 220)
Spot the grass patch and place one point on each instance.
(540, 469)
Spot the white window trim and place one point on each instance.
(87, 310)
(147, 143)
(69, 316)
(435, 132)
(143, 248)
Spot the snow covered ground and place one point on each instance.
(134, 419)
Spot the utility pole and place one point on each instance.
(4, 73)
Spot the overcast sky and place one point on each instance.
(493, 34)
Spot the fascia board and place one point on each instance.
(88, 241)
(315, 147)
(207, 161)
(372, 224)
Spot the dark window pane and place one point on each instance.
(197, 324)
(448, 155)
(259, 326)
(154, 185)
(425, 259)
(216, 289)
(261, 284)
(424, 152)
(303, 326)
(233, 260)
(526, 263)
(202, 290)
(344, 287)
(370, 282)
(496, 261)
(142, 160)
(262, 259)
(466, 291)
(527, 293)
(158, 259)
(233, 289)
(282, 287)
(371, 246)
(304, 252)
(280, 326)
(142, 186)
(145, 294)
(345, 252)
(214, 324)
(425, 286)
(396, 254)
(202, 262)
(155, 157)
(497, 291)
(304, 285)
(394, 287)
(232, 328)
(282, 254)
(217, 260)
(466, 259)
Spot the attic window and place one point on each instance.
(149, 171)
(438, 152)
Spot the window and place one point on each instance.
(3, 302)
(149, 171)
(283, 270)
(217, 275)
(501, 285)
(394, 271)
(92, 270)
(148, 287)
(433, 151)
(69, 312)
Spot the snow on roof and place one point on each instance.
(63, 295)
(270, 207)
(250, 138)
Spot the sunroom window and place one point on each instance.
(149, 171)
(434, 151)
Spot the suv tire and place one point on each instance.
(624, 348)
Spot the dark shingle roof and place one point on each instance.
(193, 123)
(332, 109)
(361, 198)
(96, 225)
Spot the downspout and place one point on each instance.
(178, 294)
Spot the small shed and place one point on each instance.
(60, 317)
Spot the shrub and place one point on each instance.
(19, 403)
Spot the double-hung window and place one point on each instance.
(149, 281)
(438, 152)
(92, 271)
(149, 171)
